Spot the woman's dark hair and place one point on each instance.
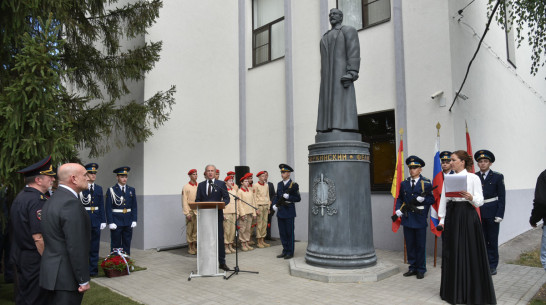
(464, 156)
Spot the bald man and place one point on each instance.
(67, 235)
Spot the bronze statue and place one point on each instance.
(340, 63)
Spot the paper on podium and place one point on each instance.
(455, 184)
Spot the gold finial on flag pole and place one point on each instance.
(401, 131)
(466, 126)
(438, 126)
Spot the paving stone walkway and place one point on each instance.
(166, 280)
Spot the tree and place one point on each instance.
(49, 45)
(528, 18)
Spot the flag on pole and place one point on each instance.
(469, 146)
(438, 182)
(397, 180)
(469, 151)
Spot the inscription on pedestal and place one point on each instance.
(339, 157)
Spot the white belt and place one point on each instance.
(420, 207)
(491, 199)
(92, 208)
(121, 210)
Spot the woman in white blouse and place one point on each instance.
(466, 277)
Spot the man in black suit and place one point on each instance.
(67, 235)
(215, 190)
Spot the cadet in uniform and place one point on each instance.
(416, 191)
(232, 175)
(121, 211)
(93, 201)
(445, 158)
(263, 203)
(27, 244)
(229, 217)
(189, 192)
(247, 213)
(288, 193)
(492, 210)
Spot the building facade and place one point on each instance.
(248, 73)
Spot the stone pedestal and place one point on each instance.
(340, 215)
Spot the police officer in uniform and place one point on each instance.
(415, 191)
(28, 244)
(445, 158)
(288, 194)
(121, 211)
(492, 210)
(93, 201)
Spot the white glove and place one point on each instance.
(275, 208)
(112, 226)
(420, 198)
(285, 196)
(133, 224)
(399, 213)
(498, 219)
(102, 226)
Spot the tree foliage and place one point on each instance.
(67, 67)
(528, 18)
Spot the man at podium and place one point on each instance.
(214, 190)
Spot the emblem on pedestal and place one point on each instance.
(324, 194)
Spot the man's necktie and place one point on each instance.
(123, 189)
(412, 183)
(210, 189)
(91, 190)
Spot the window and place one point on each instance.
(267, 31)
(509, 30)
(363, 14)
(378, 130)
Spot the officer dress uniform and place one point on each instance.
(415, 223)
(26, 215)
(121, 209)
(263, 203)
(93, 202)
(189, 192)
(286, 213)
(494, 194)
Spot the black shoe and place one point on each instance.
(410, 273)
(493, 271)
(289, 256)
(224, 267)
(420, 275)
(281, 255)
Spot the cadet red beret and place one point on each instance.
(230, 173)
(228, 178)
(217, 170)
(260, 173)
(192, 171)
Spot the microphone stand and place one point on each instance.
(236, 269)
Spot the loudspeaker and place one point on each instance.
(240, 171)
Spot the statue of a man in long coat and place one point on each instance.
(340, 63)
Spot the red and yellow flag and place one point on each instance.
(397, 180)
(469, 151)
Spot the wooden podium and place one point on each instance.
(207, 238)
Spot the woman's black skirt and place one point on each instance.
(466, 278)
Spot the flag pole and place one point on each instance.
(438, 126)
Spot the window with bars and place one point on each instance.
(363, 14)
(267, 31)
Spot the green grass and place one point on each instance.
(96, 295)
(532, 259)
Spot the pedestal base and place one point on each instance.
(381, 271)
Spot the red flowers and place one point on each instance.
(115, 262)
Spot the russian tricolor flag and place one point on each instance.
(439, 182)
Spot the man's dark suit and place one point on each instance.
(218, 193)
(67, 234)
(271, 211)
